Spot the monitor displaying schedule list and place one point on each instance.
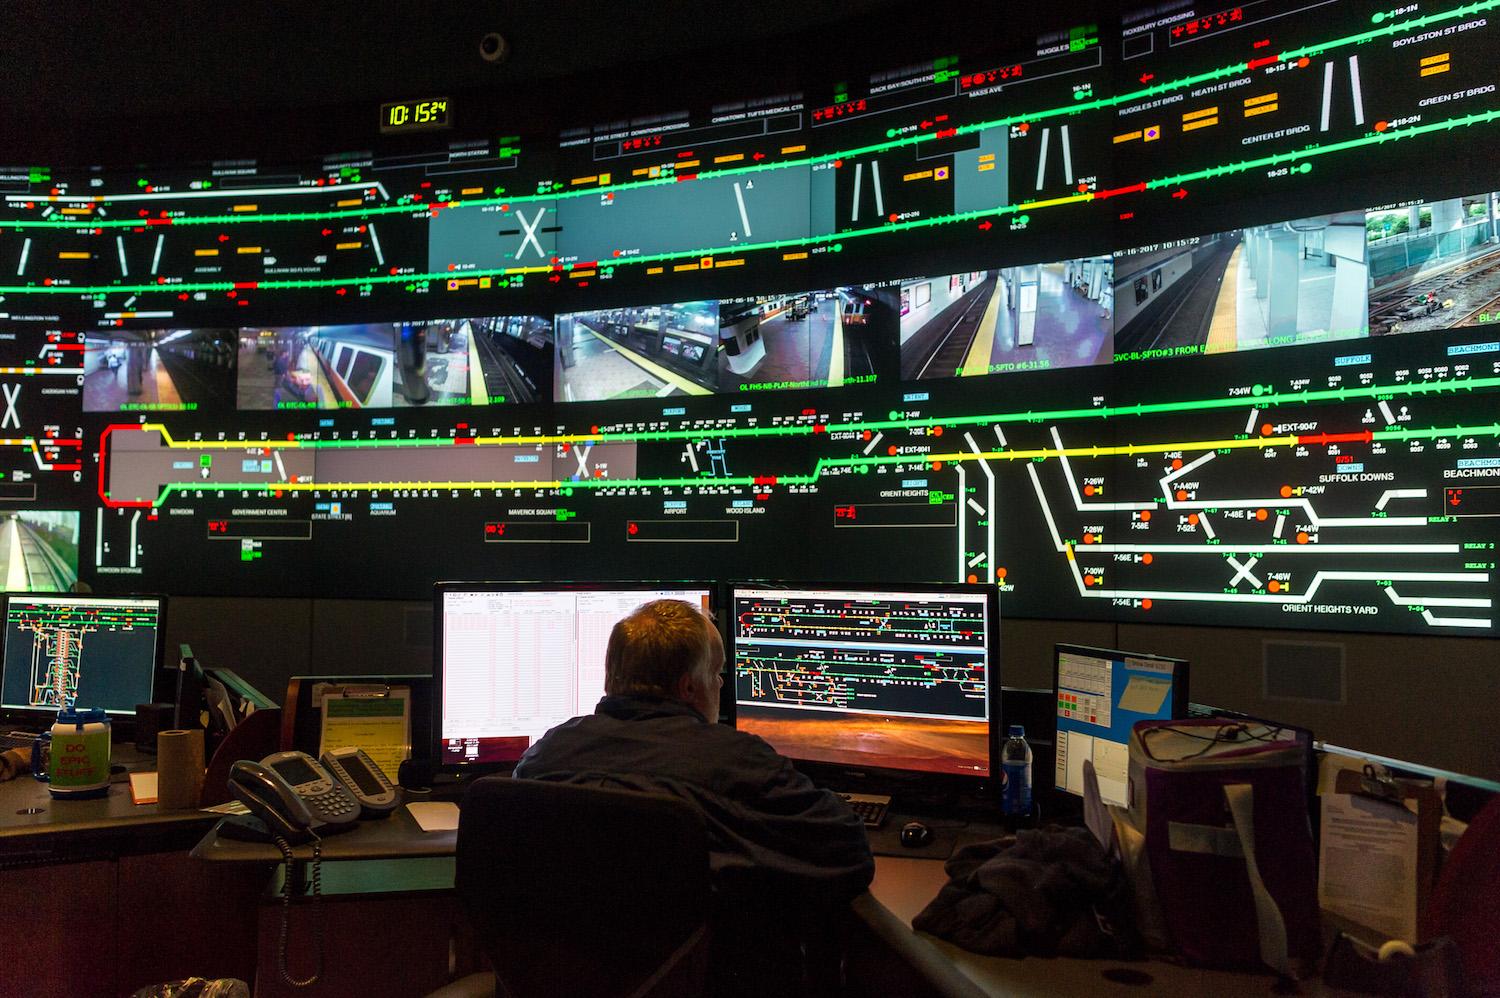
(514, 660)
(1101, 694)
(80, 651)
(896, 679)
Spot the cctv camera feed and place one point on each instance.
(1027, 318)
(39, 550)
(1289, 283)
(432, 363)
(514, 354)
(156, 370)
(890, 680)
(817, 339)
(317, 367)
(643, 351)
(1434, 265)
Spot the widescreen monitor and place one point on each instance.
(1101, 694)
(897, 678)
(515, 659)
(84, 651)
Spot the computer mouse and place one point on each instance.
(915, 835)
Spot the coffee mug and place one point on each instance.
(73, 757)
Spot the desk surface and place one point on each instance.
(396, 837)
(28, 811)
(904, 886)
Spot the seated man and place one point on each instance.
(781, 851)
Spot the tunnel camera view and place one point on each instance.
(1434, 265)
(510, 358)
(317, 367)
(39, 550)
(1019, 319)
(1304, 281)
(158, 370)
(819, 339)
(646, 351)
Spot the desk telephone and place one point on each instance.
(293, 798)
(297, 798)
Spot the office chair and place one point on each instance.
(577, 890)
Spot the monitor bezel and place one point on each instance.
(1181, 673)
(881, 779)
(440, 589)
(159, 685)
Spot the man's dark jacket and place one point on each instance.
(771, 832)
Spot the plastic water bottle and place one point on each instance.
(1015, 759)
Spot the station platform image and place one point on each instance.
(159, 369)
(1022, 318)
(641, 352)
(1303, 281)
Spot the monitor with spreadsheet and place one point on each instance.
(85, 651)
(894, 678)
(1101, 694)
(515, 659)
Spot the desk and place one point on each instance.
(387, 889)
(391, 879)
(903, 887)
(118, 876)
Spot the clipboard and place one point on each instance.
(375, 717)
(1379, 822)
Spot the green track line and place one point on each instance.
(1310, 397)
(833, 239)
(862, 462)
(1234, 69)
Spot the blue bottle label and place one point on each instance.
(1017, 798)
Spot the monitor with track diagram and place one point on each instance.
(84, 651)
(897, 678)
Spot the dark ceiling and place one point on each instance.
(122, 81)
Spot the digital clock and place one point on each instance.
(415, 115)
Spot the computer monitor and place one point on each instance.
(515, 659)
(897, 678)
(1101, 694)
(85, 651)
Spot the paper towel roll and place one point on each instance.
(179, 768)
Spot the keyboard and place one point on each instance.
(871, 808)
(16, 739)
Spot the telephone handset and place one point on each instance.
(293, 795)
(297, 800)
(270, 799)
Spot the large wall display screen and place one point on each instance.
(1189, 318)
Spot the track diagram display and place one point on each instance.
(1182, 319)
(61, 652)
(897, 680)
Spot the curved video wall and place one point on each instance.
(1183, 319)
